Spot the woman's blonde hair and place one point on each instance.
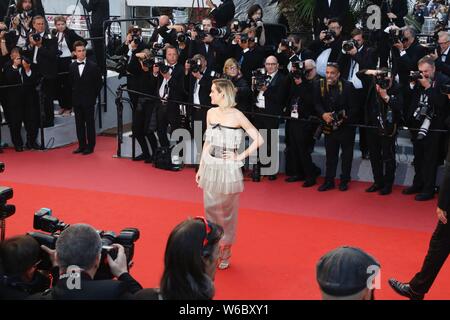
(228, 89)
(229, 63)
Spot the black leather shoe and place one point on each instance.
(273, 177)
(385, 191)
(365, 155)
(309, 183)
(18, 149)
(327, 185)
(87, 151)
(374, 188)
(256, 173)
(33, 146)
(141, 157)
(79, 150)
(292, 179)
(1, 150)
(412, 190)
(424, 196)
(405, 290)
(149, 160)
(343, 186)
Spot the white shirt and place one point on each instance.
(329, 3)
(36, 49)
(197, 91)
(261, 99)
(322, 61)
(445, 54)
(63, 47)
(163, 94)
(81, 66)
(354, 68)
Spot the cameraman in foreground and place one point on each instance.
(19, 275)
(79, 249)
(383, 109)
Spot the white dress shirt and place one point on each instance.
(36, 49)
(81, 66)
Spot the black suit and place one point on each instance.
(284, 58)
(215, 54)
(205, 83)
(339, 9)
(121, 289)
(224, 13)
(249, 61)
(443, 66)
(85, 90)
(168, 35)
(244, 95)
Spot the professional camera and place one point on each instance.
(44, 221)
(445, 89)
(235, 26)
(201, 33)
(218, 32)
(423, 110)
(287, 44)
(329, 35)
(349, 45)
(383, 79)
(325, 128)
(6, 210)
(196, 65)
(135, 35)
(260, 79)
(299, 70)
(158, 46)
(164, 68)
(430, 47)
(181, 37)
(36, 37)
(396, 35)
(121, 66)
(415, 75)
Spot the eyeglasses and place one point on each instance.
(232, 68)
(270, 64)
(207, 229)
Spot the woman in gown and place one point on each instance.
(220, 174)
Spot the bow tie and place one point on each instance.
(80, 63)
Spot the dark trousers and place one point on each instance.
(382, 157)
(48, 90)
(167, 114)
(85, 122)
(301, 145)
(343, 138)
(63, 88)
(142, 126)
(426, 159)
(27, 113)
(438, 251)
(269, 124)
(97, 31)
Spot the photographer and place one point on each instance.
(21, 24)
(384, 105)
(129, 65)
(254, 20)
(78, 255)
(170, 75)
(43, 49)
(291, 50)
(442, 57)
(333, 103)
(247, 52)
(222, 14)
(357, 55)
(198, 81)
(300, 134)
(244, 96)
(428, 111)
(19, 274)
(325, 10)
(22, 103)
(209, 42)
(328, 47)
(144, 115)
(270, 91)
(66, 39)
(163, 35)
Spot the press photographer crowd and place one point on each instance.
(348, 79)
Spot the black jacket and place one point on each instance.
(366, 59)
(403, 65)
(275, 96)
(168, 35)
(339, 9)
(100, 11)
(284, 58)
(85, 90)
(399, 8)
(176, 88)
(244, 95)
(302, 94)
(252, 60)
(224, 13)
(215, 55)
(444, 198)
(16, 96)
(47, 65)
(443, 67)
(122, 289)
(71, 37)
(317, 47)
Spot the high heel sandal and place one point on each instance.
(225, 255)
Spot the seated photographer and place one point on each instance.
(270, 95)
(244, 96)
(332, 98)
(19, 274)
(300, 134)
(442, 57)
(144, 123)
(291, 50)
(209, 42)
(222, 14)
(428, 111)
(357, 55)
(79, 258)
(328, 47)
(254, 20)
(247, 52)
(133, 44)
(198, 82)
(66, 39)
(190, 263)
(23, 102)
(383, 110)
(163, 35)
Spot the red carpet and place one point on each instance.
(283, 229)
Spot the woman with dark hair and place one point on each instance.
(254, 19)
(190, 260)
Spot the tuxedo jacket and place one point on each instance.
(275, 95)
(339, 9)
(85, 89)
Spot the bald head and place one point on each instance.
(271, 64)
(310, 66)
(164, 20)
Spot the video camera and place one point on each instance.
(44, 221)
(260, 79)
